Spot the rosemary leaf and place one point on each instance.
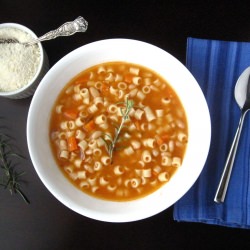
(10, 178)
(111, 144)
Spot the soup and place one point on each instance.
(118, 131)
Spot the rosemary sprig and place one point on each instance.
(111, 142)
(11, 178)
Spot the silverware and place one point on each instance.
(242, 97)
(67, 29)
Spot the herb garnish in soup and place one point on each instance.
(118, 131)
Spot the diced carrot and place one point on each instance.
(137, 125)
(82, 79)
(70, 113)
(72, 144)
(154, 173)
(128, 78)
(165, 137)
(104, 88)
(89, 126)
(161, 139)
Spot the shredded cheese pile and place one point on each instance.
(18, 63)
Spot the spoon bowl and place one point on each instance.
(240, 89)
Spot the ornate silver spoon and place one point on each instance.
(67, 29)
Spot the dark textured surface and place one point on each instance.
(46, 223)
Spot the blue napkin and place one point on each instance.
(216, 65)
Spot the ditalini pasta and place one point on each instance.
(86, 121)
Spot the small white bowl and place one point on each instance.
(43, 67)
(143, 54)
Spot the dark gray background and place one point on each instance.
(46, 223)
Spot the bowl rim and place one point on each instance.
(39, 69)
(105, 214)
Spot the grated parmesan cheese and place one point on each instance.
(18, 63)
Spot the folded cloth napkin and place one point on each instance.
(216, 65)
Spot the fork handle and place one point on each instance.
(224, 181)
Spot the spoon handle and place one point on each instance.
(223, 184)
(67, 29)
